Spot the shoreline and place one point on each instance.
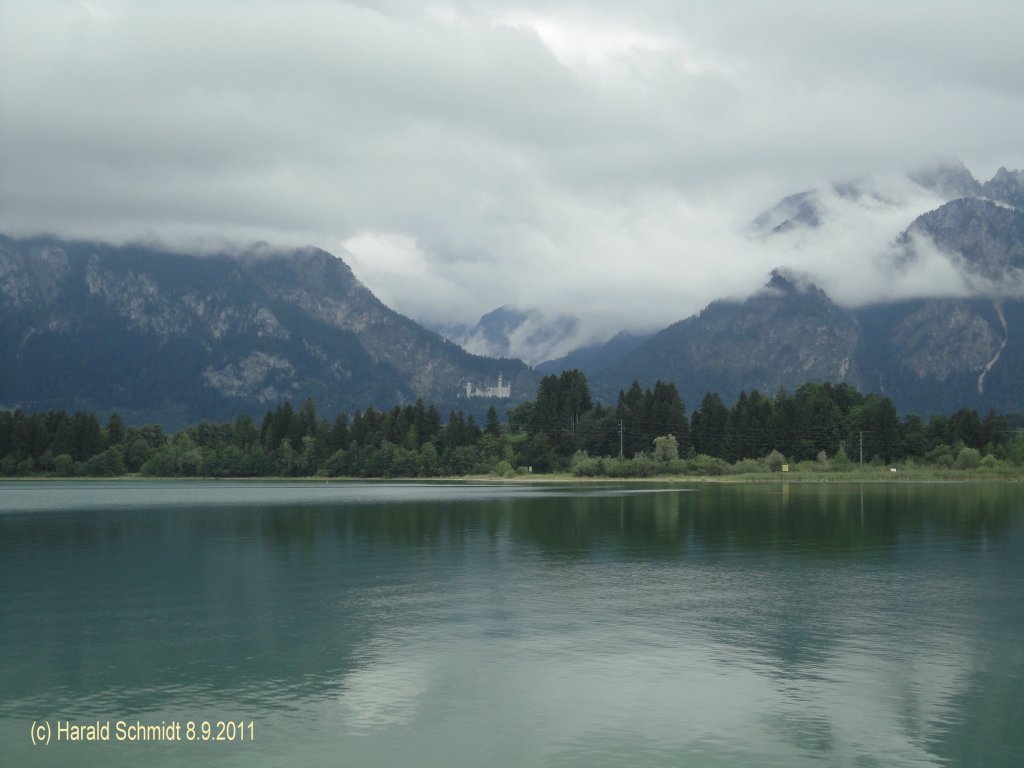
(777, 478)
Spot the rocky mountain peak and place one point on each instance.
(947, 177)
(1006, 187)
(150, 333)
(984, 238)
(789, 282)
(799, 210)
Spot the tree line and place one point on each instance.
(646, 432)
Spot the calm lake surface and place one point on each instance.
(471, 625)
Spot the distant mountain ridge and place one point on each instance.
(175, 338)
(982, 237)
(180, 337)
(787, 333)
(928, 354)
(947, 179)
(1006, 187)
(595, 358)
(527, 334)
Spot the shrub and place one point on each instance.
(841, 461)
(110, 463)
(613, 467)
(504, 469)
(990, 462)
(774, 461)
(678, 467)
(62, 464)
(941, 456)
(581, 465)
(336, 464)
(968, 458)
(747, 466)
(666, 448)
(709, 466)
(641, 465)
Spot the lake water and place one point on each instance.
(473, 625)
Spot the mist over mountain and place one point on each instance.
(852, 238)
(943, 179)
(175, 338)
(982, 238)
(947, 177)
(959, 341)
(529, 335)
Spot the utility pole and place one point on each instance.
(862, 449)
(620, 439)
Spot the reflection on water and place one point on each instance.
(463, 625)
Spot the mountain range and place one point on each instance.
(928, 354)
(174, 338)
(171, 337)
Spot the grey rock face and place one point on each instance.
(142, 330)
(781, 337)
(945, 337)
(1006, 187)
(947, 178)
(982, 237)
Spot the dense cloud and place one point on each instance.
(601, 159)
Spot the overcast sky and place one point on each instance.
(602, 159)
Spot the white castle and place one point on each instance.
(501, 390)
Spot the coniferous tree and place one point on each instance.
(21, 436)
(545, 418)
(40, 435)
(994, 429)
(965, 426)
(115, 429)
(782, 423)
(277, 426)
(632, 415)
(709, 426)
(492, 426)
(668, 413)
(86, 437)
(340, 437)
(244, 432)
(573, 400)
(6, 432)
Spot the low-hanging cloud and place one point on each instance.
(601, 161)
(854, 252)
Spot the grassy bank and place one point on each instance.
(866, 475)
